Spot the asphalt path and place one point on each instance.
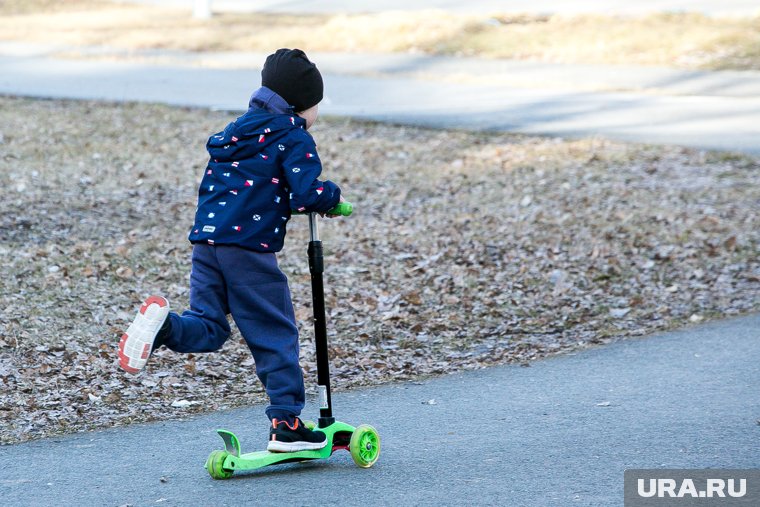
(713, 120)
(558, 433)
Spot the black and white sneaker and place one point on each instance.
(284, 437)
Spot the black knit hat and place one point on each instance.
(290, 74)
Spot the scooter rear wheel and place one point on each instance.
(214, 465)
(365, 446)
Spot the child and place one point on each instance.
(261, 166)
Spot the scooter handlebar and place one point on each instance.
(343, 209)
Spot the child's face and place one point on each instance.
(310, 115)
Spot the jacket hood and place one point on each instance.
(264, 98)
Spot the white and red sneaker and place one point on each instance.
(137, 342)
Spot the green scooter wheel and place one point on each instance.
(214, 465)
(310, 425)
(365, 446)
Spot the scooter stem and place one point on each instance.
(316, 268)
(313, 227)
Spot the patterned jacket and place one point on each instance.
(261, 166)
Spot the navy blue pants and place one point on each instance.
(250, 286)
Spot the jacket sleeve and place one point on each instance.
(302, 168)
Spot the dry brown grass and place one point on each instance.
(682, 40)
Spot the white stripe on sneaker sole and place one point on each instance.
(275, 446)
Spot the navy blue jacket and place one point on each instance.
(261, 166)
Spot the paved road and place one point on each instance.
(705, 110)
(559, 433)
(662, 81)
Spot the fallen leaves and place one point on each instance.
(469, 250)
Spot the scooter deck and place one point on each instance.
(236, 460)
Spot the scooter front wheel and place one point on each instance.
(365, 446)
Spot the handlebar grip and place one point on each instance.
(344, 209)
